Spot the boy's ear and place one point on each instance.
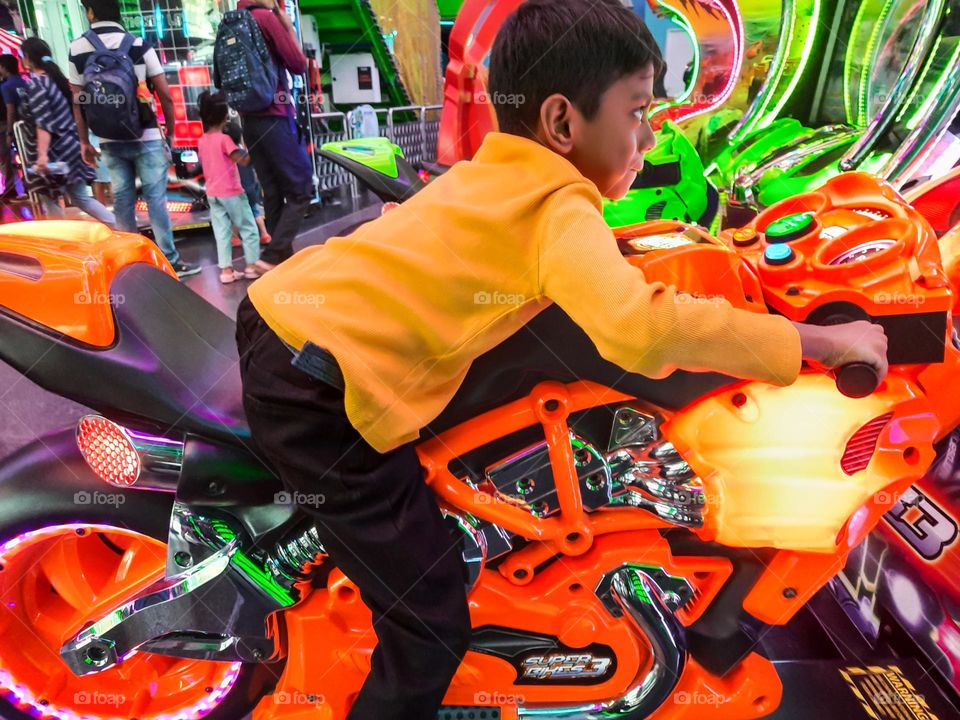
(556, 116)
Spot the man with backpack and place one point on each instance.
(256, 46)
(110, 71)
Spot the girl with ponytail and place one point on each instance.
(52, 136)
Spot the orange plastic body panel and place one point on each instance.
(769, 457)
(58, 274)
(903, 279)
(949, 246)
(331, 640)
(701, 267)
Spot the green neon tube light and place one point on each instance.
(868, 65)
(848, 62)
(935, 91)
(808, 41)
(766, 115)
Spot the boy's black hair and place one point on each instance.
(213, 108)
(577, 48)
(104, 10)
(10, 63)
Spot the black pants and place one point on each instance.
(284, 170)
(377, 519)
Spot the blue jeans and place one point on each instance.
(225, 212)
(286, 174)
(147, 159)
(79, 194)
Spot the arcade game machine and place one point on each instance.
(182, 32)
(672, 184)
(785, 70)
(886, 94)
(703, 49)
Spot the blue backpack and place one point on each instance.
(242, 64)
(109, 96)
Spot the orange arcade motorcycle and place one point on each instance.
(626, 542)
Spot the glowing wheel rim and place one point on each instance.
(52, 582)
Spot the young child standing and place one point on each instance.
(349, 349)
(219, 158)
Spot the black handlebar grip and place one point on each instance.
(857, 380)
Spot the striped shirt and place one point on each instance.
(45, 107)
(145, 61)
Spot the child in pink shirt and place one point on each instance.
(219, 157)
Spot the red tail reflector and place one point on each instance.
(863, 443)
(108, 450)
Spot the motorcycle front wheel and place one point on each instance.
(57, 579)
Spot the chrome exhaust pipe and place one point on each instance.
(638, 597)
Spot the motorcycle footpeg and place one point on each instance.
(182, 616)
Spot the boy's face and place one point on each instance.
(608, 148)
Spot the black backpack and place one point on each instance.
(242, 64)
(109, 96)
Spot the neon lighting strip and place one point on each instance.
(919, 83)
(681, 21)
(23, 698)
(737, 27)
(868, 65)
(935, 91)
(761, 118)
(848, 61)
(804, 60)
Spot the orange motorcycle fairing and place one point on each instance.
(772, 459)
(58, 273)
(330, 640)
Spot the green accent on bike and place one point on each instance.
(675, 163)
(252, 570)
(376, 153)
(789, 227)
(640, 590)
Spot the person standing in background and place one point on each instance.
(48, 114)
(219, 158)
(147, 157)
(251, 186)
(12, 89)
(271, 136)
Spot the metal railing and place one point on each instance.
(413, 127)
(329, 127)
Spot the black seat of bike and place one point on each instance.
(173, 362)
(553, 347)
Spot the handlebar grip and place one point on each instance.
(857, 380)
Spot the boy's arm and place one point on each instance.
(641, 326)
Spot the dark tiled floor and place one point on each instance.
(28, 412)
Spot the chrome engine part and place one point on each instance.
(292, 559)
(638, 469)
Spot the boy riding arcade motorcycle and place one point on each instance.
(597, 526)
